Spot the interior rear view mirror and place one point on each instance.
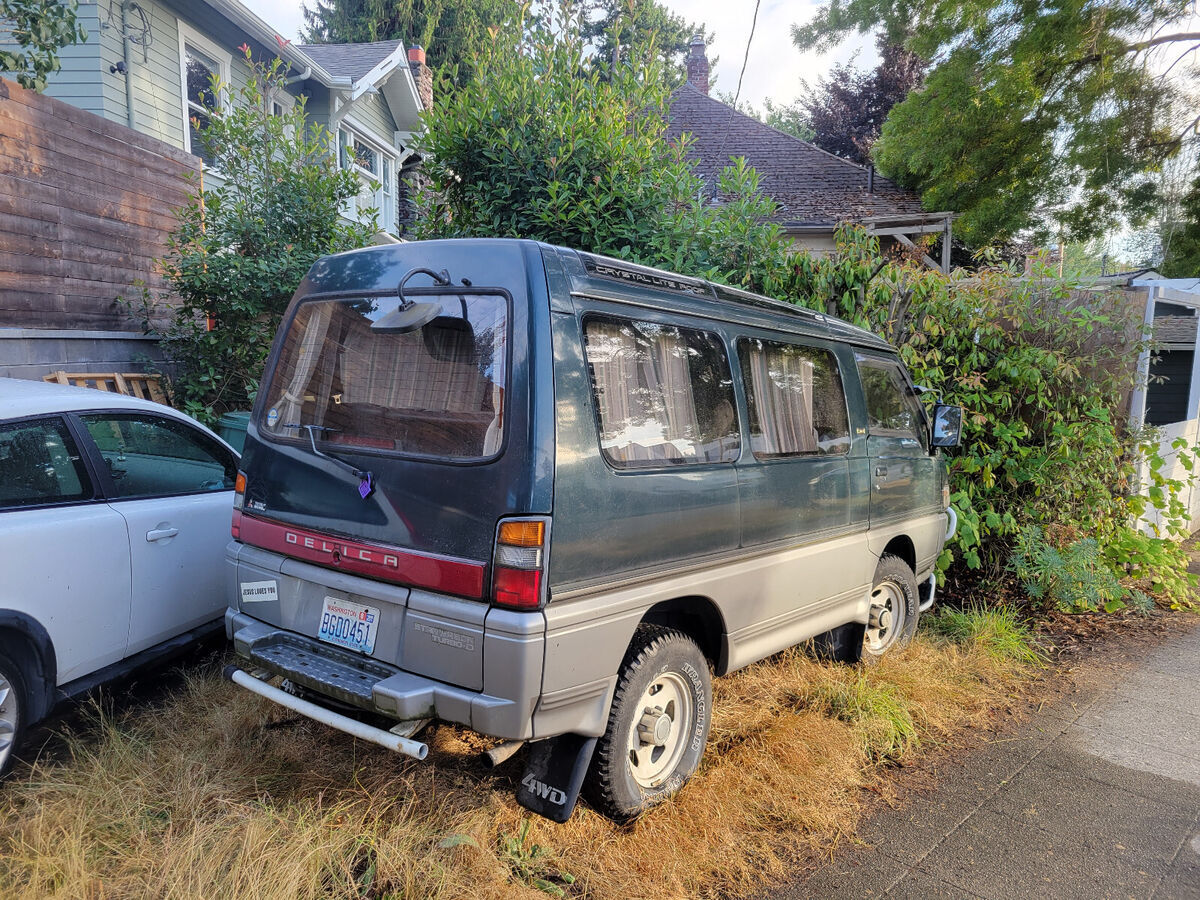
(947, 425)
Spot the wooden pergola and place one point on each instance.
(905, 227)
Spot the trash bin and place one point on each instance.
(232, 427)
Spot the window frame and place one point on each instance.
(790, 340)
(661, 318)
(381, 195)
(206, 46)
(260, 403)
(884, 363)
(81, 448)
(103, 479)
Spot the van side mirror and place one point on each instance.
(947, 425)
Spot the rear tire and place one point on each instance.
(14, 708)
(895, 605)
(657, 726)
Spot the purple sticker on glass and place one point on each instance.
(366, 486)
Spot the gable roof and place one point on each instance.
(811, 186)
(351, 61)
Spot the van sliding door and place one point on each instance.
(794, 484)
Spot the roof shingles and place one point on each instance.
(811, 186)
(349, 60)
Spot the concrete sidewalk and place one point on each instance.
(1097, 795)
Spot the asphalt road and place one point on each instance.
(1096, 795)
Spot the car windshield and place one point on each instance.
(435, 391)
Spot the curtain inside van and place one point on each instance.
(646, 378)
(782, 381)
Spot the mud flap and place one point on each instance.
(554, 774)
(843, 644)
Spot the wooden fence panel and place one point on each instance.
(85, 210)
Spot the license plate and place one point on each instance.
(348, 624)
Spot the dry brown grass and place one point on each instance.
(213, 793)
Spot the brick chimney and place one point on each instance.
(697, 64)
(422, 75)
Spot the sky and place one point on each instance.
(775, 68)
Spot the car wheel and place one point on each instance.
(894, 608)
(13, 709)
(657, 726)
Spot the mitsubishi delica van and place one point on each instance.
(547, 495)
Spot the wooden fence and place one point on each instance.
(85, 209)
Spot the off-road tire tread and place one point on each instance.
(606, 763)
(905, 576)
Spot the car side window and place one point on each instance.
(795, 399)
(893, 409)
(40, 464)
(664, 394)
(153, 456)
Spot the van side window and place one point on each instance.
(795, 398)
(892, 407)
(664, 394)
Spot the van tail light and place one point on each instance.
(239, 500)
(519, 563)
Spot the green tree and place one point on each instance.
(1182, 259)
(616, 29)
(541, 144)
(40, 28)
(449, 30)
(246, 239)
(1032, 112)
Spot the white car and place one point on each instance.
(114, 516)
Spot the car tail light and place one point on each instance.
(519, 563)
(945, 493)
(239, 500)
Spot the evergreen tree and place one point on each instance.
(615, 29)
(449, 30)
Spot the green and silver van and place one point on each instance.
(547, 495)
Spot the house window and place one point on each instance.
(200, 60)
(376, 171)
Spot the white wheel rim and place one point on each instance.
(658, 737)
(8, 719)
(883, 630)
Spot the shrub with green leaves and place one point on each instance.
(1071, 578)
(268, 209)
(543, 144)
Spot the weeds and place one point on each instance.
(882, 717)
(214, 793)
(995, 631)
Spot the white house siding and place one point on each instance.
(1179, 292)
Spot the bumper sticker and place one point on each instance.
(259, 591)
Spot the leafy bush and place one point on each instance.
(1073, 578)
(543, 145)
(246, 238)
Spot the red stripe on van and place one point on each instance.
(460, 577)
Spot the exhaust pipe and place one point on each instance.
(358, 729)
(502, 752)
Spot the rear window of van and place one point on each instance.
(436, 391)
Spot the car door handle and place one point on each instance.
(161, 534)
(880, 471)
